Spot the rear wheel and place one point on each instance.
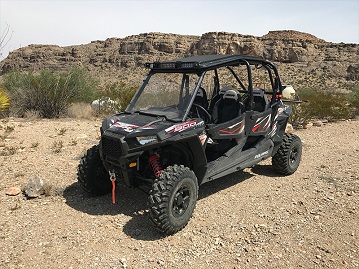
(92, 175)
(288, 156)
(173, 198)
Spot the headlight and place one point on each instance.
(143, 140)
(106, 124)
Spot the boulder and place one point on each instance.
(35, 187)
(13, 191)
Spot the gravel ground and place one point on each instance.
(251, 219)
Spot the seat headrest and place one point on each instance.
(258, 92)
(223, 90)
(200, 92)
(231, 94)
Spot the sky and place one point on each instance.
(74, 22)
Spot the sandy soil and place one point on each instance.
(252, 219)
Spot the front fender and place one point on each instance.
(192, 152)
(199, 157)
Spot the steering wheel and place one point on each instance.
(207, 116)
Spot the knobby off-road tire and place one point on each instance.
(92, 175)
(288, 156)
(173, 198)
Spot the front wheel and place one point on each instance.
(288, 156)
(92, 175)
(173, 198)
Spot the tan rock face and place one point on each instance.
(353, 72)
(293, 35)
(302, 56)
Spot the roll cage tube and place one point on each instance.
(276, 79)
(216, 82)
(193, 96)
(275, 83)
(139, 92)
(184, 85)
(250, 84)
(237, 78)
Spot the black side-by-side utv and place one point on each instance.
(193, 120)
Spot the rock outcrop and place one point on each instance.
(301, 55)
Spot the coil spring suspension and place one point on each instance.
(156, 165)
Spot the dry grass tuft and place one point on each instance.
(34, 144)
(57, 146)
(80, 111)
(8, 130)
(62, 131)
(7, 151)
(73, 142)
(32, 114)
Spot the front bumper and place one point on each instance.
(114, 152)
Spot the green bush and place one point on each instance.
(353, 99)
(119, 92)
(49, 93)
(320, 105)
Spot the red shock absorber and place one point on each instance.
(156, 165)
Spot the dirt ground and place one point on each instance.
(251, 219)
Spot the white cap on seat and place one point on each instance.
(231, 94)
(223, 90)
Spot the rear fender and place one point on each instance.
(279, 125)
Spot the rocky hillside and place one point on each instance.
(303, 59)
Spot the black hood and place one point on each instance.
(133, 125)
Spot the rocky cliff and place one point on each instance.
(303, 59)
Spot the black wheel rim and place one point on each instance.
(181, 201)
(293, 156)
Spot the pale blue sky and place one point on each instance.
(72, 22)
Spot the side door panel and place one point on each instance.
(258, 123)
(234, 128)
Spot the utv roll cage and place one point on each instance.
(201, 63)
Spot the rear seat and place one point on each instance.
(227, 108)
(260, 100)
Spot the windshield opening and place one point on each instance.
(165, 94)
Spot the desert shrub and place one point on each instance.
(4, 102)
(119, 92)
(353, 99)
(47, 92)
(322, 105)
